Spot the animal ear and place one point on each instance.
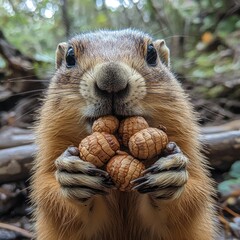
(60, 54)
(163, 51)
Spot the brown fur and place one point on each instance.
(62, 122)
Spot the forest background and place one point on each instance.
(203, 36)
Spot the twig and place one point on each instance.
(225, 223)
(230, 211)
(23, 232)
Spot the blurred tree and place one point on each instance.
(65, 18)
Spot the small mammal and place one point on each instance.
(121, 73)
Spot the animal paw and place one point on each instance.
(166, 178)
(80, 180)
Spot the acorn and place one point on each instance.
(147, 143)
(130, 126)
(107, 124)
(123, 168)
(98, 148)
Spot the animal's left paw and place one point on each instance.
(166, 178)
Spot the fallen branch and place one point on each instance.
(230, 126)
(12, 137)
(222, 149)
(16, 163)
(21, 231)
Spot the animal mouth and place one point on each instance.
(112, 105)
(108, 106)
(120, 115)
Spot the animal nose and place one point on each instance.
(111, 77)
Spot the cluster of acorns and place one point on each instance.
(102, 148)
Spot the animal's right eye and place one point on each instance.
(151, 57)
(70, 58)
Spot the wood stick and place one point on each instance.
(230, 126)
(13, 136)
(222, 149)
(16, 162)
(10, 227)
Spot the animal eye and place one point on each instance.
(70, 58)
(151, 57)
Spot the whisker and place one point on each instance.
(26, 113)
(16, 78)
(28, 92)
(212, 112)
(27, 80)
(159, 31)
(181, 35)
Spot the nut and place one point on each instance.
(147, 143)
(130, 126)
(107, 124)
(98, 148)
(123, 169)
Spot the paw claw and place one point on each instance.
(148, 189)
(141, 185)
(96, 172)
(108, 183)
(166, 178)
(139, 180)
(78, 179)
(152, 169)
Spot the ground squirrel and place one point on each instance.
(121, 73)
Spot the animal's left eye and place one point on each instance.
(70, 58)
(151, 57)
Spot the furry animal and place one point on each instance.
(121, 73)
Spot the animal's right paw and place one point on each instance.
(78, 179)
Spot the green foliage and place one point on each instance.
(228, 186)
(235, 170)
(233, 180)
(207, 64)
(28, 27)
(226, 27)
(2, 63)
